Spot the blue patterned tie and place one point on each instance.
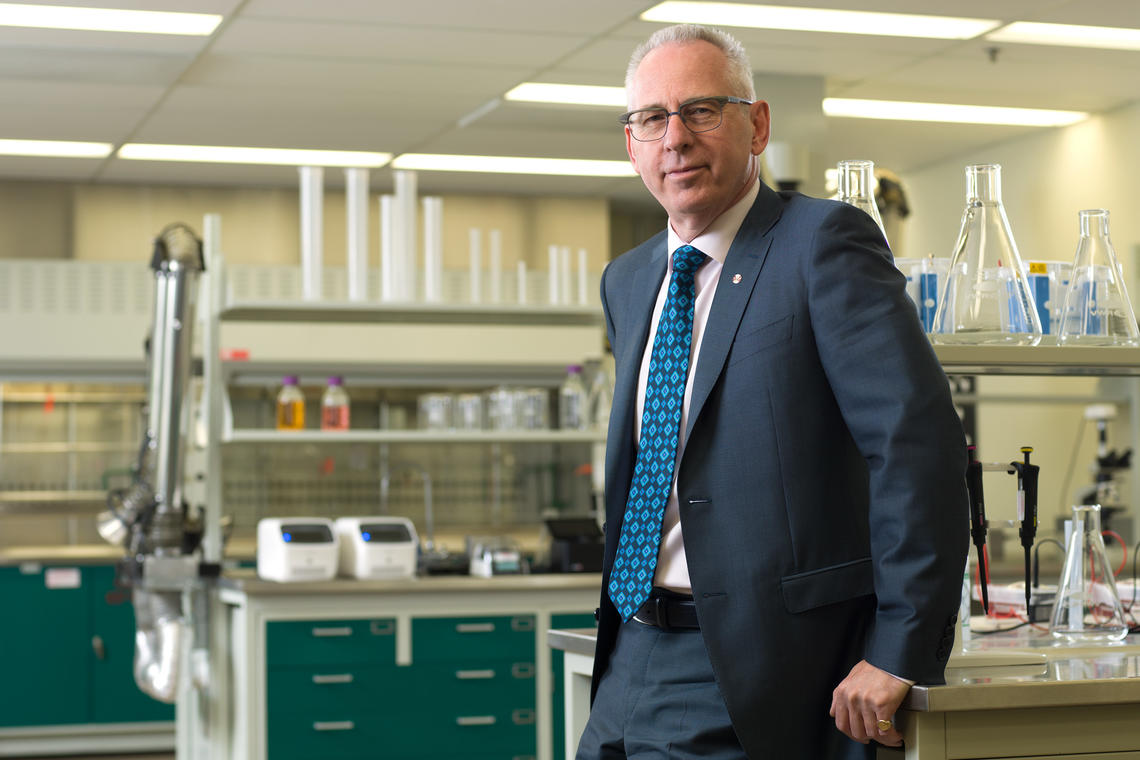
(632, 576)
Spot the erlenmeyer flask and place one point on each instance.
(1097, 311)
(986, 298)
(857, 182)
(1087, 607)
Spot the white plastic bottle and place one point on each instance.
(334, 405)
(600, 399)
(572, 407)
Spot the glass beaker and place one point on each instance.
(1097, 311)
(986, 298)
(1087, 606)
(856, 180)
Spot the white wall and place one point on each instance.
(262, 225)
(1047, 177)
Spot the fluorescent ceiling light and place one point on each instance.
(213, 154)
(820, 20)
(945, 112)
(107, 19)
(55, 148)
(570, 94)
(514, 165)
(1115, 38)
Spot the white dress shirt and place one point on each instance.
(672, 570)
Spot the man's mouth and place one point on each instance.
(683, 172)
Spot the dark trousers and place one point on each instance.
(658, 700)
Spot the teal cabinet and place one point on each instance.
(557, 660)
(335, 691)
(333, 688)
(47, 646)
(71, 656)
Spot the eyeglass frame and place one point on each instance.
(722, 100)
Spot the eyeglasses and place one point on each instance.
(699, 115)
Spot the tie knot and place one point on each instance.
(687, 259)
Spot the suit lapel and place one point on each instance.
(745, 258)
(641, 295)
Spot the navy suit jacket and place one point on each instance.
(821, 491)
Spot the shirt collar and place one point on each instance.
(717, 238)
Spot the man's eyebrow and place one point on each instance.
(665, 108)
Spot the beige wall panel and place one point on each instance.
(35, 220)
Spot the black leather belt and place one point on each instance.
(668, 611)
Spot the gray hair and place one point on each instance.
(739, 68)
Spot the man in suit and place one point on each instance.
(774, 588)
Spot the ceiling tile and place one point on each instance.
(387, 42)
(104, 66)
(581, 16)
(373, 76)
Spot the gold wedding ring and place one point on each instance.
(884, 726)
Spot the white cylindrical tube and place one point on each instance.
(475, 247)
(552, 274)
(406, 213)
(496, 265)
(564, 274)
(388, 263)
(356, 215)
(312, 230)
(522, 283)
(582, 276)
(433, 249)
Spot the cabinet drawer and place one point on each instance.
(319, 642)
(305, 736)
(470, 639)
(354, 691)
(489, 685)
(441, 733)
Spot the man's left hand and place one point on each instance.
(866, 696)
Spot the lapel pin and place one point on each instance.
(736, 278)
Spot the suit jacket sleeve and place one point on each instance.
(896, 402)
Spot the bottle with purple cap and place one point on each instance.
(334, 405)
(290, 405)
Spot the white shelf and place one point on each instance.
(415, 436)
(418, 313)
(1039, 360)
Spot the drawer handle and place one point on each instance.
(338, 678)
(340, 631)
(475, 720)
(334, 725)
(522, 623)
(475, 628)
(471, 675)
(382, 628)
(523, 717)
(523, 670)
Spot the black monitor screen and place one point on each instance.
(306, 534)
(385, 533)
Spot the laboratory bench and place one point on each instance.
(434, 667)
(1080, 702)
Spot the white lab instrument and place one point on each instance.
(296, 549)
(377, 547)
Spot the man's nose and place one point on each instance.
(676, 132)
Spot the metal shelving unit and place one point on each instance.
(415, 436)
(1044, 359)
(1049, 359)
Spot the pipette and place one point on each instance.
(1027, 513)
(978, 520)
